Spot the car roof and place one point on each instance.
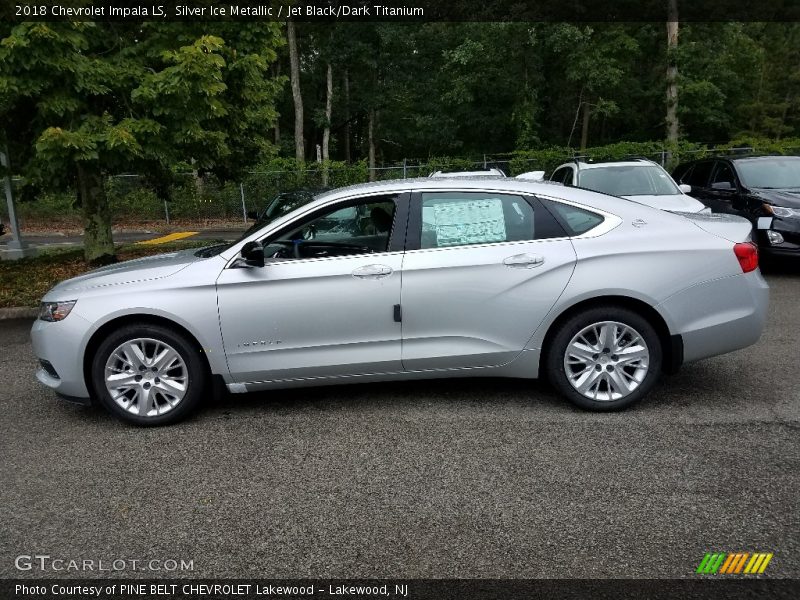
(499, 184)
(616, 163)
(737, 158)
(759, 157)
(492, 172)
(614, 205)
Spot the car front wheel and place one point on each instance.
(148, 375)
(605, 358)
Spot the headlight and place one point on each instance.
(782, 211)
(55, 311)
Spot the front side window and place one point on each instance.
(563, 175)
(700, 174)
(468, 218)
(723, 174)
(355, 228)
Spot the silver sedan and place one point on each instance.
(412, 279)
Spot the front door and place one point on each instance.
(486, 270)
(323, 305)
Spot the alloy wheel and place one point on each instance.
(606, 361)
(146, 377)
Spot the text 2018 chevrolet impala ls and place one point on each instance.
(423, 278)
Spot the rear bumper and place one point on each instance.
(719, 316)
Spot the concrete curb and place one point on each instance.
(18, 312)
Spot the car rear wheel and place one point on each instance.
(148, 375)
(605, 358)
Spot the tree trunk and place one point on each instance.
(371, 135)
(347, 115)
(672, 73)
(278, 118)
(98, 244)
(326, 133)
(587, 111)
(297, 97)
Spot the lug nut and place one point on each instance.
(598, 368)
(147, 386)
(609, 368)
(138, 378)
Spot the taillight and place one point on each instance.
(747, 253)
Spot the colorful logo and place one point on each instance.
(736, 563)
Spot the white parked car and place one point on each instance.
(638, 179)
(532, 176)
(490, 173)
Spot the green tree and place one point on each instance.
(83, 100)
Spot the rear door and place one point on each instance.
(481, 271)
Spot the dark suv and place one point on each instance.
(764, 189)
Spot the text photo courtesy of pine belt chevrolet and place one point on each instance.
(411, 279)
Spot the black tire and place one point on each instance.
(555, 356)
(189, 353)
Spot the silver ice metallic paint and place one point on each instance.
(482, 309)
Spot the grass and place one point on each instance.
(23, 282)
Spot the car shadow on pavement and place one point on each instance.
(440, 394)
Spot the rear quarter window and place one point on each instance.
(575, 220)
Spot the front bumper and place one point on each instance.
(719, 316)
(61, 344)
(789, 229)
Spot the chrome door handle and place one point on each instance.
(524, 261)
(372, 272)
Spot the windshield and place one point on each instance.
(280, 205)
(770, 173)
(632, 180)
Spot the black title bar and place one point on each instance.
(402, 10)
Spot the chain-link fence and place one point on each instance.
(208, 203)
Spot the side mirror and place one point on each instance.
(252, 214)
(253, 254)
(685, 188)
(722, 185)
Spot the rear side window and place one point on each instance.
(467, 218)
(575, 220)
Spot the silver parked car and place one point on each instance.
(432, 278)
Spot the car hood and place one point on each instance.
(787, 198)
(130, 271)
(672, 203)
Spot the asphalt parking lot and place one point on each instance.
(468, 478)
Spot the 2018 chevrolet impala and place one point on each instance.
(429, 278)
